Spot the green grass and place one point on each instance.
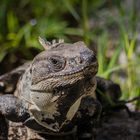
(129, 80)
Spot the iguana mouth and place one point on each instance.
(61, 81)
(77, 72)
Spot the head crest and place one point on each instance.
(48, 45)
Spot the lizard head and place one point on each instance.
(62, 65)
(60, 77)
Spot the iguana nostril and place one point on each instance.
(92, 59)
(79, 60)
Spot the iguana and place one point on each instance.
(54, 95)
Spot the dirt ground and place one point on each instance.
(117, 125)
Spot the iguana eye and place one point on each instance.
(57, 63)
(54, 61)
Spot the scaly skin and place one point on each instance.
(56, 91)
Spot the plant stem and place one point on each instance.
(85, 21)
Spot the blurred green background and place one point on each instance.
(111, 27)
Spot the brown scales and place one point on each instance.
(66, 68)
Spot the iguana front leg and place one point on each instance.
(12, 108)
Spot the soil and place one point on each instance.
(117, 125)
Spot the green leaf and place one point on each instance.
(114, 58)
(131, 47)
(12, 21)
